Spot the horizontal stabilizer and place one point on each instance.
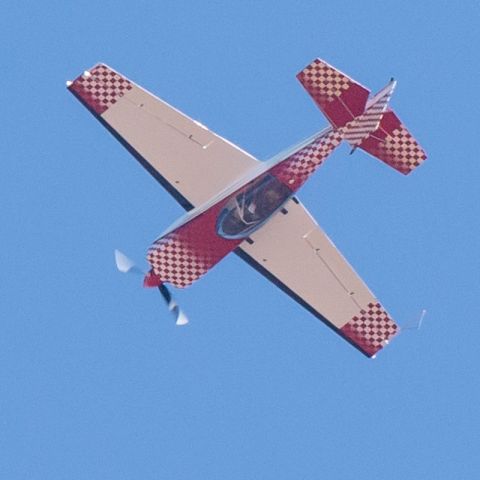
(393, 144)
(340, 98)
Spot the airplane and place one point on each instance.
(236, 203)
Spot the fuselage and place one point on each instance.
(267, 187)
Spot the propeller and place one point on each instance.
(127, 265)
(180, 318)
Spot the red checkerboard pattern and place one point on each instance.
(361, 127)
(339, 97)
(294, 170)
(323, 82)
(400, 150)
(174, 259)
(187, 253)
(371, 329)
(393, 144)
(100, 88)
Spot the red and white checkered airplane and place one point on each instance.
(236, 203)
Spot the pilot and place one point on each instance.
(268, 202)
(251, 209)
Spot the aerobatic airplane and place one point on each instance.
(237, 204)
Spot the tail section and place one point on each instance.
(393, 144)
(340, 98)
(364, 122)
(357, 130)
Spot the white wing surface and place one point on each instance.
(191, 162)
(194, 165)
(293, 252)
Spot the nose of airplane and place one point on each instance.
(152, 280)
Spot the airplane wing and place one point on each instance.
(293, 252)
(175, 149)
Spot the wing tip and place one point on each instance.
(371, 329)
(99, 88)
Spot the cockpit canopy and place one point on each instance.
(252, 207)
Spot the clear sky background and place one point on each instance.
(95, 380)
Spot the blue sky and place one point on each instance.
(96, 382)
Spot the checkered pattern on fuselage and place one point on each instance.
(295, 170)
(174, 259)
(187, 253)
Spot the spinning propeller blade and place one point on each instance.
(127, 265)
(180, 318)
